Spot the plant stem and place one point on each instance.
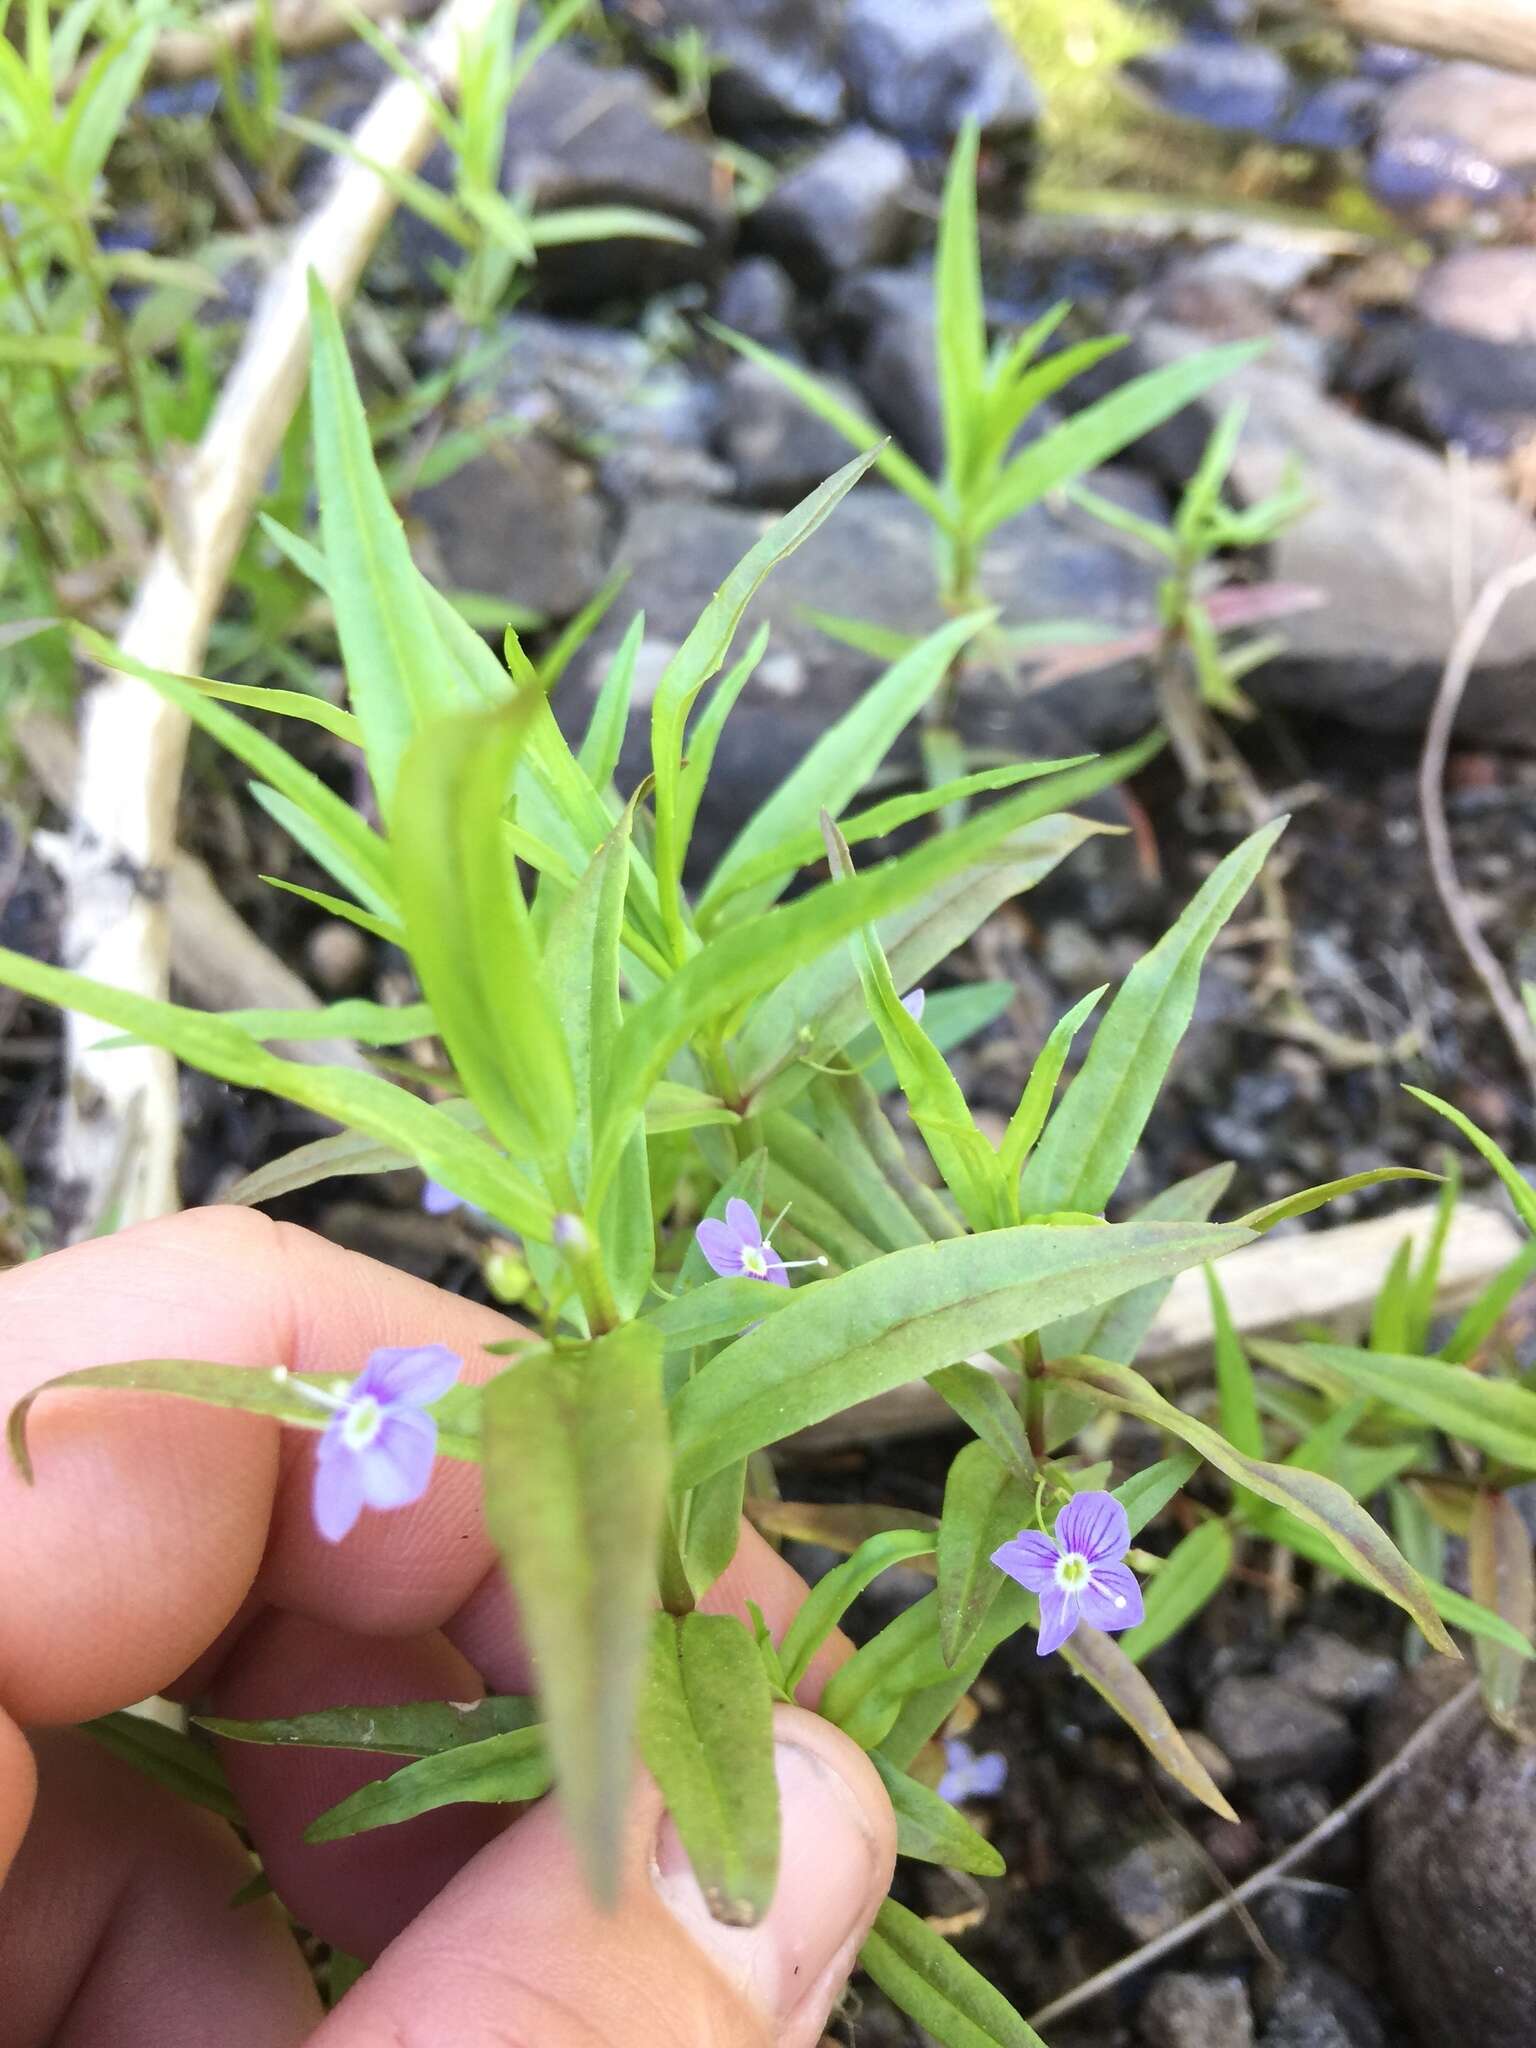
(63, 399)
(31, 512)
(117, 336)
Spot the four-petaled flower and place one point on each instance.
(969, 1776)
(739, 1246)
(378, 1447)
(1078, 1573)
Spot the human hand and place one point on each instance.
(169, 1548)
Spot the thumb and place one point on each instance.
(514, 1954)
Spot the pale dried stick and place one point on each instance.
(1468, 644)
(1501, 32)
(132, 741)
(1209, 1916)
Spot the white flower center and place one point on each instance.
(1073, 1572)
(364, 1420)
(754, 1261)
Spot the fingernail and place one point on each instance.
(828, 1871)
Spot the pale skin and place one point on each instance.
(169, 1548)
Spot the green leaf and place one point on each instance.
(297, 704)
(576, 1479)
(364, 1102)
(960, 325)
(1099, 1659)
(1028, 1119)
(604, 739)
(980, 1400)
(252, 1390)
(1089, 1141)
(950, 1017)
(854, 427)
(986, 1500)
(935, 1098)
(706, 1733)
(1311, 1498)
(919, 1972)
(426, 1728)
(52, 351)
(1238, 1403)
(1195, 1571)
(701, 655)
(905, 1315)
(718, 1309)
(1496, 1415)
(470, 939)
(929, 1830)
(170, 1758)
(1145, 1494)
(1483, 1317)
(1090, 437)
(1455, 1608)
(839, 764)
(1389, 1311)
(500, 1770)
(328, 1158)
(363, 1022)
(1519, 1189)
(1503, 1579)
(855, 1194)
(704, 733)
(832, 1595)
(1307, 1199)
(1424, 1288)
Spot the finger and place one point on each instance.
(360, 1892)
(532, 1963)
(18, 1787)
(116, 1929)
(154, 1522)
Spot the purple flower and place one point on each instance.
(738, 1246)
(438, 1200)
(378, 1447)
(912, 1002)
(969, 1776)
(1077, 1573)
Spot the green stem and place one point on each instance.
(63, 400)
(1034, 1394)
(31, 512)
(117, 336)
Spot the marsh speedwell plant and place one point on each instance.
(666, 1096)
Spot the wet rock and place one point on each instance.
(844, 209)
(1316, 2007)
(777, 71)
(1329, 1668)
(581, 136)
(1373, 545)
(1456, 137)
(1472, 353)
(1149, 1886)
(920, 72)
(1453, 1867)
(1298, 1921)
(1271, 1731)
(1340, 114)
(778, 448)
(1219, 81)
(757, 298)
(521, 522)
(885, 318)
(1185, 2009)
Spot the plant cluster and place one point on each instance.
(638, 1070)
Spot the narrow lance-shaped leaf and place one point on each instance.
(1028, 1120)
(576, 1476)
(471, 943)
(1100, 1660)
(423, 1728)
(1146, 1493)
(1195, 1571)
(250, 1390)
(918, 1970)
(1496, 1415)
(1516, 1185)
(706, 1733)
(1503, 1578)
(499, 1770)
(1306, 1200)
(1097, 1125)
(960, 327)
(929, 1829)
(905, 1315)
(937, 1102)
(169, 1758)
(841, 762)
(983, 1402)
(1308, 1496)
(832, 1595)
(701, 655)
(986, 1501)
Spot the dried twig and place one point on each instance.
(1209, 1916)
(132, 741)
(1437, 839)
